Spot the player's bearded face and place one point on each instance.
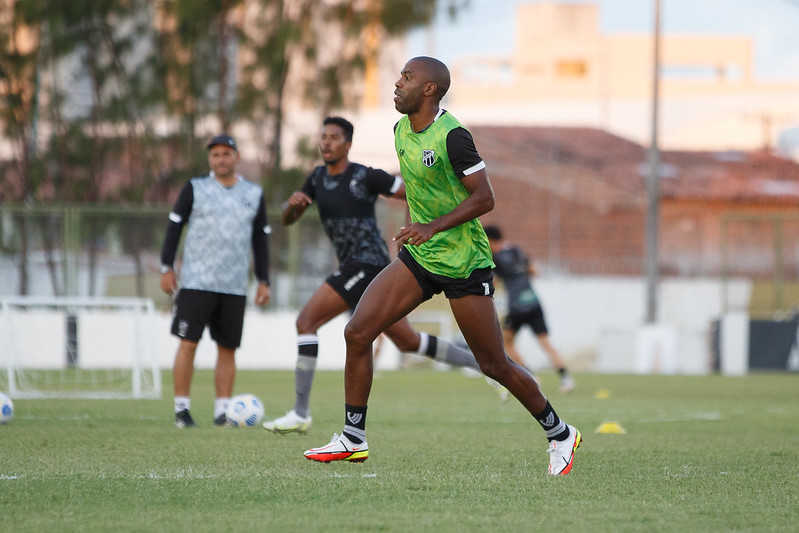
(332, 144)
(223, 160)
(409, 89)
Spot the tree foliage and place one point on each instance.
(108, 99)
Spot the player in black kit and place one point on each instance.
(345, 194)
(524, 307)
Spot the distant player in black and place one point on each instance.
(345, 194)
(524, 307)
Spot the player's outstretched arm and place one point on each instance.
(294, 207)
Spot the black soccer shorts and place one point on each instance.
(479, 282)
(193, 310)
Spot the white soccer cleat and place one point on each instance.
(340, 448)
(289, 423)
(561, 453)
(566, 384)
(504, 394)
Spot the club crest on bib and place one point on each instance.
(428, 158)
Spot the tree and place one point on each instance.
(19, 55)
(89, 92)
(315, 49)
(196, 42)
(83, 85)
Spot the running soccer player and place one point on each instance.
(445, 249)
(345, 194)
(524, 306)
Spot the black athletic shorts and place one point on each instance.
(222, 313)
(479, 282)
(533, 318)
(351, 280)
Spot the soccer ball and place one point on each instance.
(6, 409)
(244, 410)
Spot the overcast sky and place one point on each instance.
(486, 28)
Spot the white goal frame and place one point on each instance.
(128, 370)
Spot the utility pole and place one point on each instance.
(653, 185)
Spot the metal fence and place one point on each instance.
(114, 250)
(89, 250)
(763, 248)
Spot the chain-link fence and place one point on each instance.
(80, 250)
(101, 251)
(765, 250)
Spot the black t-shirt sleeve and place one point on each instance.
(462, 153)
(309, 187)
(260, 242)
(381, 182)
(178, 217)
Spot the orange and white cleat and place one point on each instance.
(340, 448)
(561, 453)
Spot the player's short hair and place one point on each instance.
(342, 123)
(493, 233)
(437, 72)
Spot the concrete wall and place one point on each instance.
(596, 323)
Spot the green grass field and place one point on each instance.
(699, 454)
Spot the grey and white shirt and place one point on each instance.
(224, 223)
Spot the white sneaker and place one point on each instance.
(566, 384)
(340, 448)
(561, 452)
(504, 394)
(289, 423)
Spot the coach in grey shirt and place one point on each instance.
(225, 217)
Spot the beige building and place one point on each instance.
(561, 54)
(564, 71)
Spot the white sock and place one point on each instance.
(220, 406)
(181, 403)
(424, 338)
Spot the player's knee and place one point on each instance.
(305, 325)
(494, 367)
(355, 335)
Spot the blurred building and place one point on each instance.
(575, 200)
(564, 123)
(564, 71)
